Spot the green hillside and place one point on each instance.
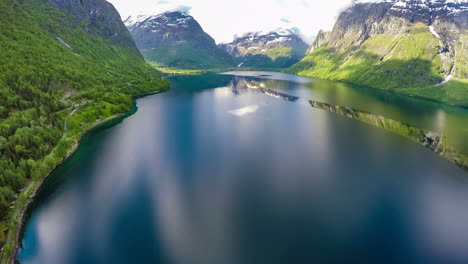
(280, 57)
(408, 63)
(57, 80)
(182, 55)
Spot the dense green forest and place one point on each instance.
(56, 80)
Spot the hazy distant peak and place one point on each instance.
(277, 33)
(177, 17)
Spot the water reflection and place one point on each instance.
(186, 181)
(239, 84)
(444, 119)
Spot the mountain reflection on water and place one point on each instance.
(216, 172)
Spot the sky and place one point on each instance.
(223, 19)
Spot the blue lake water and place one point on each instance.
(217, 171)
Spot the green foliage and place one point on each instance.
(407, 63)
(49, 65)
(184, 55)
(281, 57)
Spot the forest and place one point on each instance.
(56, 80)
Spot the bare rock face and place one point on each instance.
(393, 44)
(176, 39)
(275, 49)
(366, 19)
(102, 19)
(320, 40)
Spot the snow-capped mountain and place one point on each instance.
(277, 48)
(436, 7)
(175, 39)
(394, 44)
(163, 21)
(445, 19)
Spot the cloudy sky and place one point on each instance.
(223, 19)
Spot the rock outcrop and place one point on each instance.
(320, 40)
(97, 17)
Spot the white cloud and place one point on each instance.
(223, 19)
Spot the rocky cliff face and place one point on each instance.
(367, 19)
(175, 39)
(98, 17)
(396, 44)
(275, 49)
(321, 39)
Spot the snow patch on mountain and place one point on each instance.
(445, 6)
(166, 18)
(432, 30)
(421, 1)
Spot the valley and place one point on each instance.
(150, 131)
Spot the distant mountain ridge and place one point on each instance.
(418, 47)
(273, 49)
(176, 39)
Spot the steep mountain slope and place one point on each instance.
(63, 66)
(320, 40)
(417, 47)
(175, 39)
(275, 49)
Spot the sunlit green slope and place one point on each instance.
(60, 71)
(372, 47)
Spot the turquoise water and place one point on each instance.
(231, 169)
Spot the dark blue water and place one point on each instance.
(215, 171)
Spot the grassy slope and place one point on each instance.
(41, 80)
(407, 64)
(182, 55)
(280, 57)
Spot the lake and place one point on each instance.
(239, 168)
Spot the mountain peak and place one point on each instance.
(414, 1)
(170, 18)
(271, 49)
(175, 39)
(279, 32)
(442, 7)
(387, 41)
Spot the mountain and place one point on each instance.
(99, 18)
(64, 65)
(275, 49)
(416, 47)
(320, 40)
(175, 39)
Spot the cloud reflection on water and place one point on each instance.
(186, 181)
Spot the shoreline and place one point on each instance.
(432, 140)
(23, 214)
(414, 96)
